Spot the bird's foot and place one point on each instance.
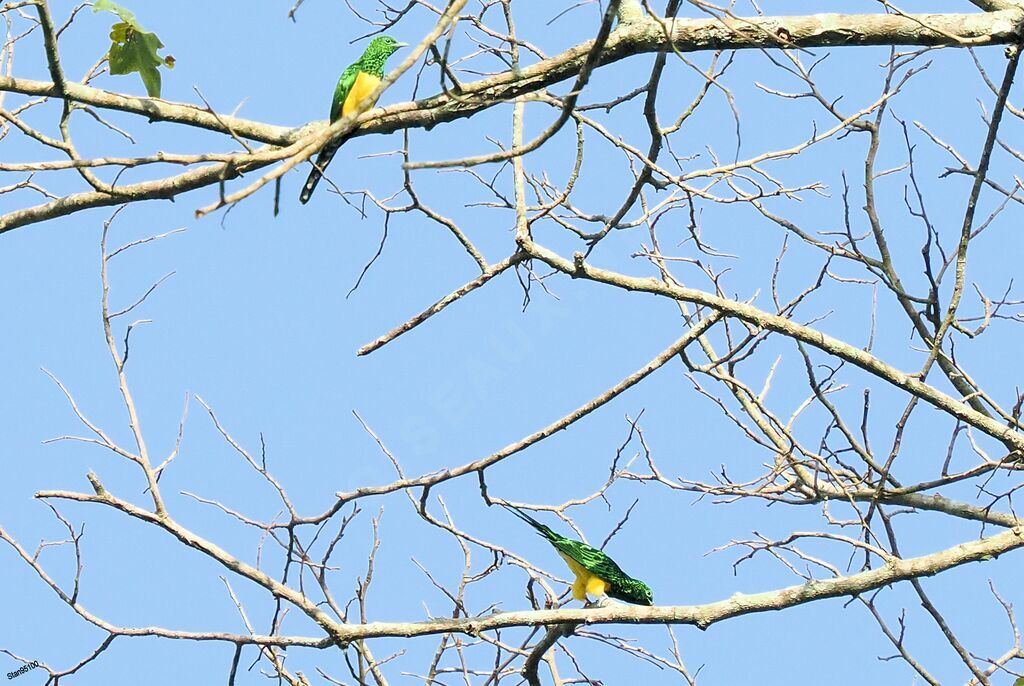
(603, 601)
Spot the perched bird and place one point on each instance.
(596, 573)
(355, 86)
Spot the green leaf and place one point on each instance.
(108, 6)
(133, 49)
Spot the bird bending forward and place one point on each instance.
(355, 86)
(596, 573)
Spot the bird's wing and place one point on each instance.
(326, 154)
(591, 559)
(345, 83)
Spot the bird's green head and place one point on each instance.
(378, 52)
(632, 591)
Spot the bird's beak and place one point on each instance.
(401, 45)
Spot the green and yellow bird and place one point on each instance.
(356, 84)
(596, 573)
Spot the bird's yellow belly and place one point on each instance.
(365, 85)
(585, 581)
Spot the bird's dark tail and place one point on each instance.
(542, 529)
(323, 159)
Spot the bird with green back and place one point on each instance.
(596, 573)
(356, 85)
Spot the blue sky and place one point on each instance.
(256, 322)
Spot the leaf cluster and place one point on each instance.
(133, 49)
